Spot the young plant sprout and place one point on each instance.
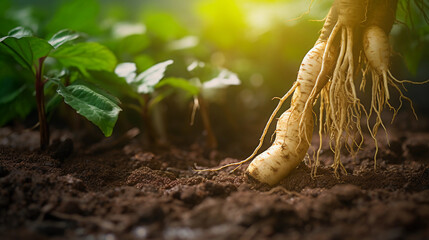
(144, 85)
(89, 101)
(208, 79)
(352, 27)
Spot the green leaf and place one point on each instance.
(133, 44)
(180, 83)
(96, 107)
(146, 81)
(98, 90)
(63, 37)
(26, 50)
(86, 56)
(79, 15)
(163, 25)
(143, 62)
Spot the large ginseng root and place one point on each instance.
(340, 107)
(291, 142)
(327, 72)
(295, 126)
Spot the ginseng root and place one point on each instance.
(328, 72)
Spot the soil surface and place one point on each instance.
(124, 192)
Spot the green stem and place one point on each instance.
(210, 137)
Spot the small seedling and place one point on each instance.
(144, 84)
(208, 78)
(89, 101)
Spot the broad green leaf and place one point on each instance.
(86, 56)
(180, 83)
(98, 90)
(146, 81)
(96, 107)
(79, 15)
(63, 37)
(26, 50)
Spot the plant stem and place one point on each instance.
(211, 138)
(147, 124)
(40, 99)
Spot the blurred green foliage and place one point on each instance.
(263, 41)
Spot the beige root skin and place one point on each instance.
(340, 108)
(292, 142)
(285, 153)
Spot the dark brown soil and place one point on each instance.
(129, 193)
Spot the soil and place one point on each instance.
(125, 192)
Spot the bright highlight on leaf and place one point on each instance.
(86, 56)
(224, 79)
(124, 29)
(146, 81)
(126, 70)
(62, 37)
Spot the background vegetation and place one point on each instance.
(262, 41)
